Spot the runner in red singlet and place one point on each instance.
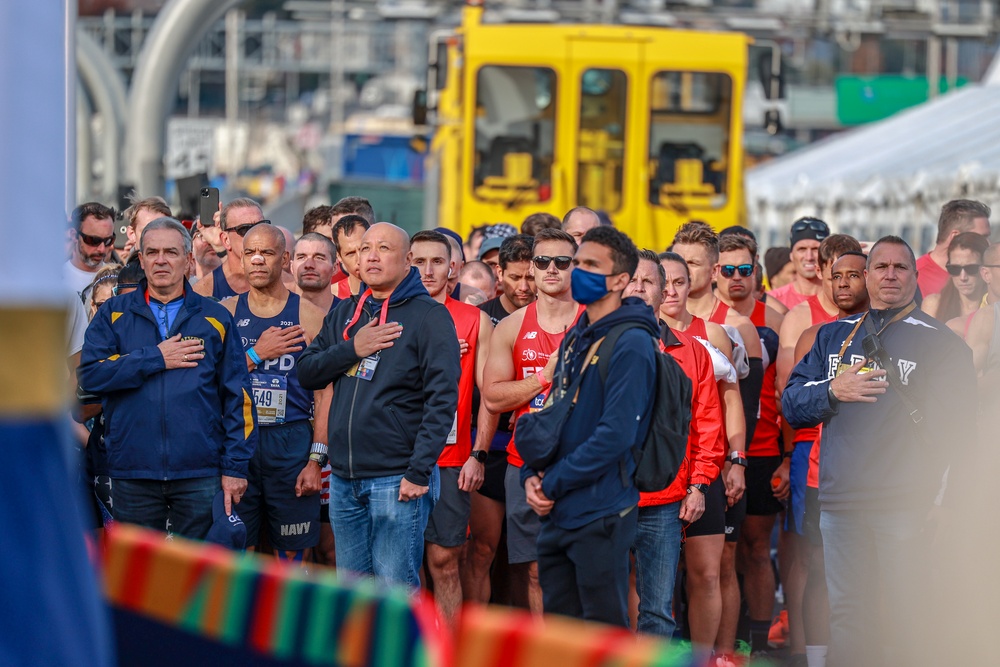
(461, 470)
(850, 294)
(517, 378)
(817, 308)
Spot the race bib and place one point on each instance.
(270, 394)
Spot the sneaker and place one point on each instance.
(778, 635)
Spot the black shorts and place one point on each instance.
(810, 522)
(494, 475)
(448, 525)
(760, 495)
(734, 519)
(713, 521)
(292, 523)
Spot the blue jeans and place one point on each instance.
(657, 550)
(376, 534)
(868, 551)
(187, 503)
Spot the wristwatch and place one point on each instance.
(480, 455)
(698, 487)
(318, 453)
(738, 458)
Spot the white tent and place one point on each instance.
(889, 177)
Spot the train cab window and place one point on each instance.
(515, 134)
(601, 139)
(689, 135)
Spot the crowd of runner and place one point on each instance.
(353, 396)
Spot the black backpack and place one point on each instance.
(661, 453)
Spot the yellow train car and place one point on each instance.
(641, 122)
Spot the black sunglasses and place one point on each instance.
(810, 223)
(97, 241)
(542, 262)
(727, 270)
(956, 269)
(242, 230)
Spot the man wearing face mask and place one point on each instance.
(587, 496)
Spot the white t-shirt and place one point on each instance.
(76, 321)
(77, 279)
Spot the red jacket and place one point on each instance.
(706, 447)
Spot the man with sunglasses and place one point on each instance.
(894, 446)
(957, 216)
(94, 233)
(236, 219)
(805, 237)
(522, 360)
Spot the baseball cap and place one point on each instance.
(229, 531)
(490, 244)
(808, 229)
(499, 231)
(454, 235)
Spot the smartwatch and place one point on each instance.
(480, 455)
(738, 458)
(698, 487)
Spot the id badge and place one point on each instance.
(842, 368)
(366, 368)
(453, 433)
(270, 394)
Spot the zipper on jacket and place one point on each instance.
(350, 416)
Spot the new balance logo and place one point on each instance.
(531, 335)
(243, 323)
(295, 528)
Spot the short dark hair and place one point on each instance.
(554, 234)
(959, 214)
(851, 253)
(516, 248)
(739, 230)
(675, 257)
(835, 245)
(652, 256)
(90, 209)
(355, 205)
(131, 273)
(346, 225)
(317, 216)
(316, 236)
(431, 236)
(538, 221)
(699, 233)
(731, 241)
(891, 240)
(624, 254)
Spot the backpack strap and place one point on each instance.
(608, 346)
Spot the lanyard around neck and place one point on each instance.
(361, 305)
(900, 315)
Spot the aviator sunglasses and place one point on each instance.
(542, 262)
(727, 270)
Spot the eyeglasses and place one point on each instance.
(990, 266)
(242, 230)
(123, 286)
(956, 269)
(727, 270)
(97, 241)
(542, 262)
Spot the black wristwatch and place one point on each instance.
(699, 487)
(737, 458)
(480, 455)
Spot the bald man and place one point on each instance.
(578, 221)
(393, 358)
(282, 497)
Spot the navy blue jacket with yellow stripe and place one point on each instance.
(169, 424)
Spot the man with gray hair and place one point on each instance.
(235, 219)
(169, 368)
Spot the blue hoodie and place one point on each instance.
(397, 423)
(593, 475)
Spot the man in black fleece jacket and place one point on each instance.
(393, 356)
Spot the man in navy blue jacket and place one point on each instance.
(392, 355)
(168, 365)
(888, 452)
(588, 497)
